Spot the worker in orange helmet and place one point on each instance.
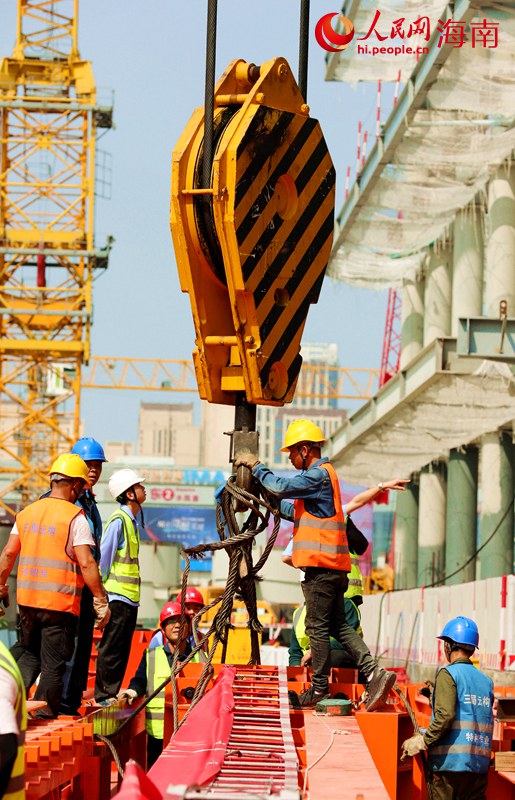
(154, 668)
(54, 541)
(320, 548)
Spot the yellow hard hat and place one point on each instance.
(71, 466)
(302, 430)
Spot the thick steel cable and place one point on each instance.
(303, 48)
(209, 98)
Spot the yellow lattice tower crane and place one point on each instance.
(48, 122)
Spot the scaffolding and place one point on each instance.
(49, 118)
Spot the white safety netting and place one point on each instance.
(454, 410)
(443, 162)
(354, 65)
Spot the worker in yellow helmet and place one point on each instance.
(54, 541)
(13, 723)
(320, 548)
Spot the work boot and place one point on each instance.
(378, 688)
(307, 699)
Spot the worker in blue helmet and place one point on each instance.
(76, 677)
(459, 737)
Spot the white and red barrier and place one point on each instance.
(402, 626)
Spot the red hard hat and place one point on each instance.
(192, 596)
(169, 610)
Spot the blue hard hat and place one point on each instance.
(461, 630)
(89, 449)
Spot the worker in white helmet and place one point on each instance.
(119, 567)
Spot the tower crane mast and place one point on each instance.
(49, 118)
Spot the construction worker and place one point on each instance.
(320, 548)
(193, 604)
(13, 723)
(119, 566)
(76, 679)
(54, 541)
(299, 652)
(459, 738)
(154, 668)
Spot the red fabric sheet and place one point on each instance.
(136, 785)
(196, 753)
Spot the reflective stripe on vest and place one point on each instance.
(466, 746)
(47, 576)
(158, 669)
(355, 577)
(16, 786)
(321, 541)
(124, 575)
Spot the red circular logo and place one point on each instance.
(328, 38)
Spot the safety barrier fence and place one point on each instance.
(402, 626)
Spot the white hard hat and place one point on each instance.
(123, 479)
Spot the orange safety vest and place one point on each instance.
(321, 541)
(47, 576)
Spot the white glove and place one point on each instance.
(413, 746)
(128, 695)
(246, 459)
(102, 611)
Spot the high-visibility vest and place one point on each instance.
(466, 746)
(16, 786)
(321, 541)
(158, 669)
(299, 626)
(124, 576)
(355, 577)
(47, 576)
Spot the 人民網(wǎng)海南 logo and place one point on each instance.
(330, 39)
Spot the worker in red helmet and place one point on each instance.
(154, 668)
(193, 601)
(193, 604)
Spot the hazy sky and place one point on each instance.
(152, 55)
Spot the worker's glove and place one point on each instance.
(413, 746)
(102, 611)
(4, 598)
(127, 695)
(246, 459)
(427, 690)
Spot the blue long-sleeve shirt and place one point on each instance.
(113, 539)
(312, 485)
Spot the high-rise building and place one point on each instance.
(168, 430)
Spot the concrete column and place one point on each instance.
(431, 524)
(461, 516)
(467, 275)
(406, 538)
(437, 297)
(412, 320)
(496, 482)
(500, 253)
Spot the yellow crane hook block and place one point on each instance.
(253, 247)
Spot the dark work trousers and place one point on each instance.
(114, 649)
(457, 786)
(46, 640)
(325, 617)
(76, 681)
(154, 750)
